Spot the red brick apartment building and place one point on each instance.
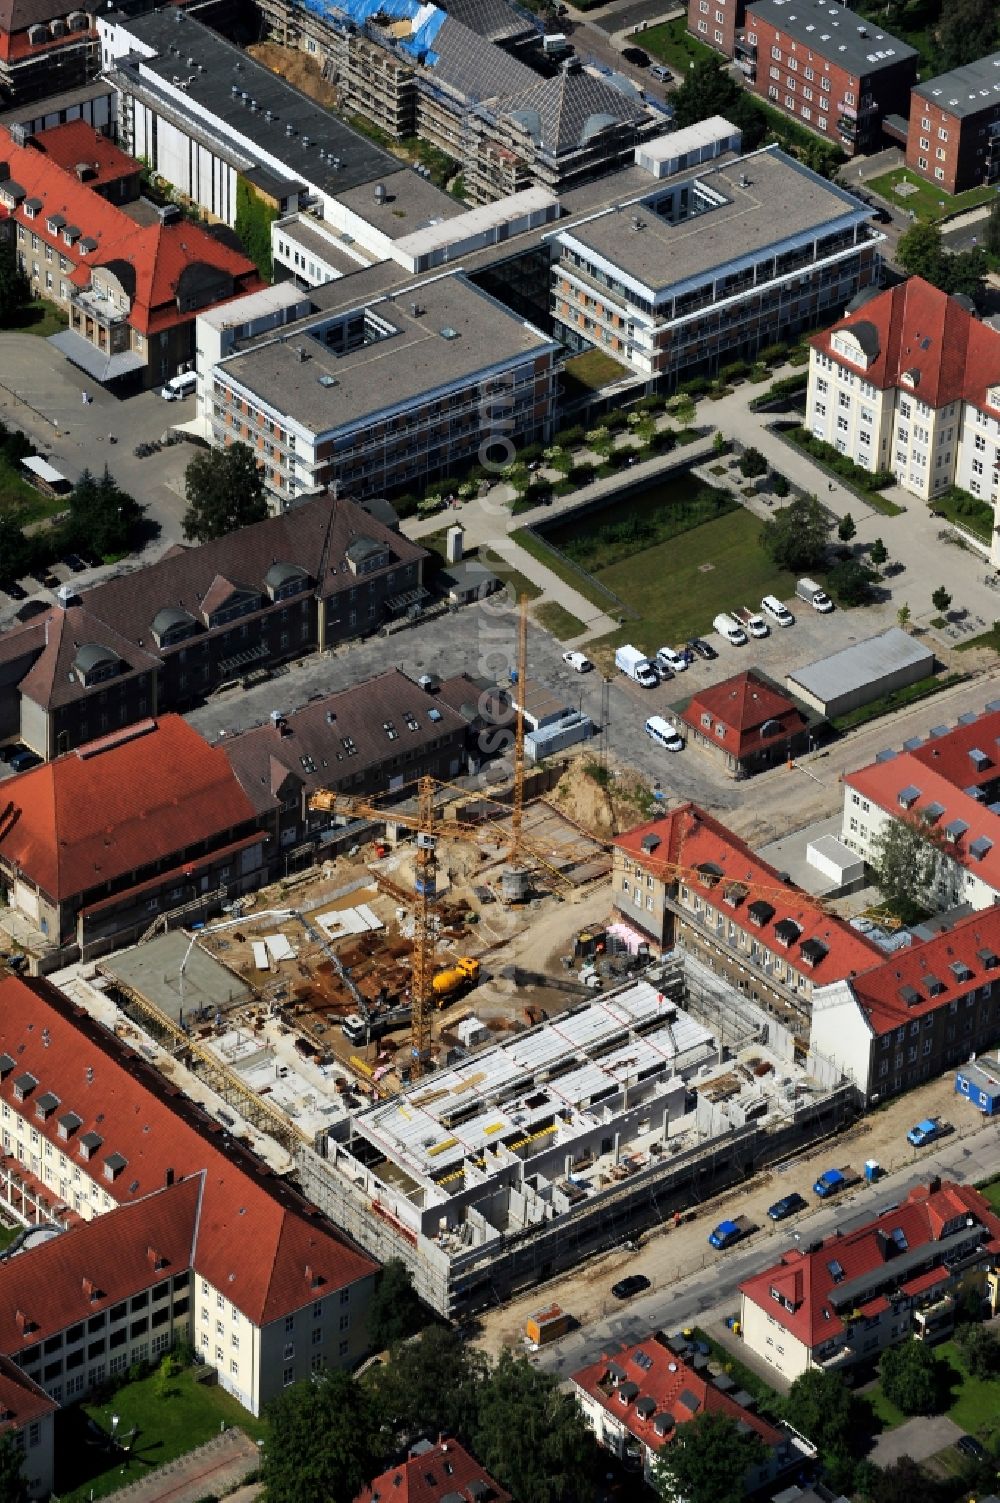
(954, 135)
(717, 22)
(826, 67)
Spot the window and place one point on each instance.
(288, 1376)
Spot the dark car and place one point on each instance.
(626, 1288)
(636, 57)
(702, 648)
(15, 591)
(969, 1446)
(786, 1206)
(75, 562)
(881, 216)
(22, 757)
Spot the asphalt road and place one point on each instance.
(712, 1292)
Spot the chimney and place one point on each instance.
(168, 1177)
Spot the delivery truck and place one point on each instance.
(809, 591)
(636, 666)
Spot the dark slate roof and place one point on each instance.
(561, 113)
(474, 67)
(493, 19)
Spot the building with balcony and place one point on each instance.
(96, 844)
(954, 135)
(840, 1302)
(685, 880)
(388, 394)
(46, 46)
(637, 1400)
(160, 1209)
(131, 291)
(323, 573)
(826, 67)
(909, 383)
(946, 788)
(711, 267)
(925, 1009)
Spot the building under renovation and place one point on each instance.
(622, 1113)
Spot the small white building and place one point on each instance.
(689, 147)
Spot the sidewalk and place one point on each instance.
(215, 1468)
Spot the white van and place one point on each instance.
(663, 733)
(730, 629)
(660, 72)
(180, 386)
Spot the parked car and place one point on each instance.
(74, 562)
(577, 661)
(669, 657)
(662, 73)
(636, 57)
(881, 216)
(926, 1132)
(730, 630)
(628, 1287)
(664, 733)
(786, 1206)
(702, 648)
(22, 757)
(971, 1447)
(777, 610)
(809, 591)
(15, 591)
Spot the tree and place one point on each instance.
(851, 582)
(13, 1486)
(907, 856)
(531, 1436)
(879, 553)
(967, 31)
(780, 486)
(903, 614)
(323, 1442)
(796, 536)
(941, 600)
(395, 1311)
(430, 1386)
(752, 464)
(224, 491)
(16, 553)
(980, 1351)
(908, 1374)
(902, 1479)
(15, 288)
(706, 1461)
(102, 517)
(846, 528)
(707, 90)
(821, 1406)
(920, 252)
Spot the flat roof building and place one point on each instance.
(954, 134)
(864, 672)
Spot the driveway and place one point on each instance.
(917, 1438)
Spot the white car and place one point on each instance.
(777, 611)
(669, 657)
(577, 661)
(664, 733)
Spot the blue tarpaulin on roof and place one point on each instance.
(427, 20)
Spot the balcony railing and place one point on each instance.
(96, 305)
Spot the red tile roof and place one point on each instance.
(76, 143)
(752, 714)
(805, 1280)
(883, 782)
(913, 328)
(83, 1271)
(110, 808)
(912, 982)
(21, 1399)
(151, 259)
(669, 1385)
(441, 1471)
(257, 1241)
(950, 758)
(696, 840)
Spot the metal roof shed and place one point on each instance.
(862, 673)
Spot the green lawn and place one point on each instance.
(519, 583)
(167, 1427)
(922, 689)
(576, 579)
(677, 596)
(40, 317)
(973, 1403)
(21, 501)
(7, 1235)
(991, 1189)
(673, 44)
(590, 371)
(967, 511)
(559, 621)
(929, 201)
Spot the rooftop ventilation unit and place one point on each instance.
(268, 115)
(380, 193)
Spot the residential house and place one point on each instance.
(377, 737)
(686, 880)
(954, 135)
(90, 155)
(97, 844)
(637, 1401)
(909, 384)
(165, 1212)
(154, 640)
(922, 1010)
(746, 723)
(827, 68)
(45, 46)
(131, 291)
(27, 1418)
(843, 1300)
(946, 789)
(441, 1472)
(712, 266)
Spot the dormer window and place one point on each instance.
(113, 1166)
(171, 625)
(95, 664)
(89, 1145)
(30, 207)
(23, 1086)
(907, 796)
(45, 1106)
(283, 581)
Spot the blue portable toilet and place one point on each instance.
(873, 1171)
